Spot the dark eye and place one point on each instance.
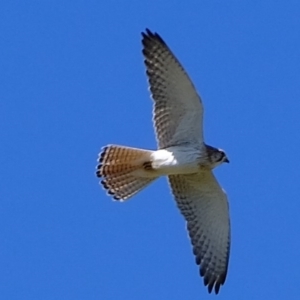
(221, 157)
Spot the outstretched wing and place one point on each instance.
(204, 205)
(178, 110)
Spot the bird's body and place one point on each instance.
(176, 160)
(182, 155)
(184, 159)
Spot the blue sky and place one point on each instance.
(73, 80)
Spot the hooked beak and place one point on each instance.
(226, 160)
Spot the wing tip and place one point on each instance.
(212, 278)
(213, 282)
(149, 37)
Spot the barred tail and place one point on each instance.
(123, 170)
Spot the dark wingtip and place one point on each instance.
(147, 33)
(210, 285)
(213, 282)
(149, 36)
(217, 287)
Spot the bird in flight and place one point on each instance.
(182, 156)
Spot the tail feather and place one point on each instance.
(118, 166)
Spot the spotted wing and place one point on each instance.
(177, 107)
(204, 205)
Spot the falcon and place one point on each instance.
(182, 156)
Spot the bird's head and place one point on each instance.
(217, 156)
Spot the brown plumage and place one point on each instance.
(121, 169)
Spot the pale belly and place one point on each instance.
(176, 160)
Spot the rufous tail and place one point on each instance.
(123, 170)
